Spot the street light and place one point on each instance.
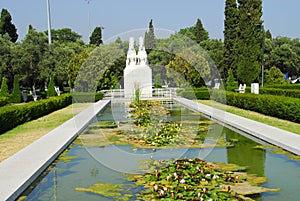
(49, 23)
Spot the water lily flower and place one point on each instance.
(169, 177)
(165, 189)
(184, 187)
(182, 181)
(215, 177)
(172, 195)
(162, 193)
(199, 194)
(203, 179)
(156, 173)
(175, 175)
(208, 175)
(197, 168)
(155, 188)
(204, 190)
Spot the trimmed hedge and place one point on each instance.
(13, 115)
(276, 106)
(3, 101)
(281, 92)
(198, 93)
(85, 97)
(284, 86)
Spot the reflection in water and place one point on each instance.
(59, 181)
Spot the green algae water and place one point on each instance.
(98, 170)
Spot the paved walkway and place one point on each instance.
(21, 169)
(281, 138)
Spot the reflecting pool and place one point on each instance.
(85, 166)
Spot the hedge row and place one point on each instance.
(284, 86)
(85, 97)
(3, 101)
(13, 115)
(200, 93)
(281, 92)
(276, 106)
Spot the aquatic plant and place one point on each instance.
(196, 179)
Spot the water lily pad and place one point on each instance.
(108, 190)
(247, 189)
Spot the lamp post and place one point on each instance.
(49, 23)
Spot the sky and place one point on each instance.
(281, 17)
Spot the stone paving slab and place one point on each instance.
(281, 138)
(21, 169)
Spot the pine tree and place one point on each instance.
(16, 95)
(150, 37)
(200, 33)
(96, 37)
(4, 88)
(249, 40)
(230, 37)
(6, 26)
(51, 90)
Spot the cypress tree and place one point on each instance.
(150, 37)
(16, 95)
(249, 41)
(96, 37)
(4, 88)
(200, 33)
(6, 26)
(230, 37)
(51, 90)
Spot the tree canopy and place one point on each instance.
(6, 26)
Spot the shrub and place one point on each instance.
(87, 97)
(277, 106)
(284, 86)
(4, 88)
(231, 84)
(11, 116)
(16, 96)
(3, 101)
(51, 90)
(281, 92)
(196, 93)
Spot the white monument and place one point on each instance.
(137, 73)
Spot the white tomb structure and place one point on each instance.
(137, 73)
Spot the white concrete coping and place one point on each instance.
(20, 170)
(281, 138)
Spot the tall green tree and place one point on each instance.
(249, 41)
(96, 37)
(6, 26)
(197, 32)
(230, 37)
(200, 33)
(150, 37)
(64, 35)
(35, 45)
(16, 96)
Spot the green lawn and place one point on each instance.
(16, 139)
(272, 121)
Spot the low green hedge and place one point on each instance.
(85, 97)
(3, 101)
(13, 115)
(284, 86)
(276, 106)
(197, 93)
(281, 92)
